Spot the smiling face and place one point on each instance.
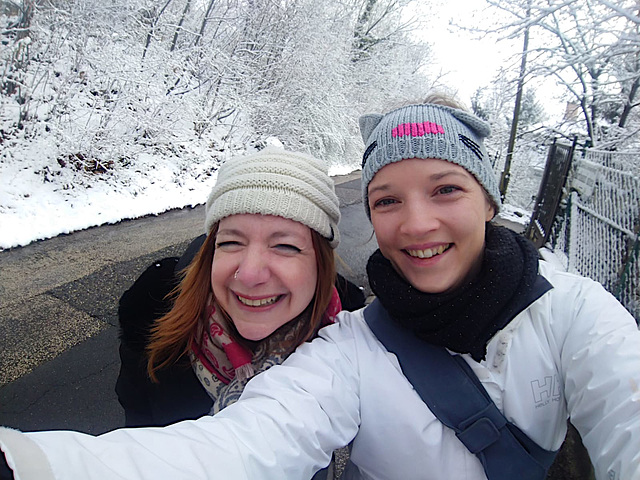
(277, 273)
(429, 218)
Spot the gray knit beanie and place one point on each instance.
(427, 131)
(277, 182)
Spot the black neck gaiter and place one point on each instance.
(463, 320)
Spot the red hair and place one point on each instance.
(172, 334)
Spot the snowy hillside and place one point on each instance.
(117, 109)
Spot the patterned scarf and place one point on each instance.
(224, 366)
(466, 319)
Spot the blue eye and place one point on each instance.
(384, 202)
(448, 189)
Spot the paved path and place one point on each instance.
(58, 316)
(58, 311)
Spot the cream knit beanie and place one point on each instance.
(277, 182)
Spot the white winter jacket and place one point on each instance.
(574, 352)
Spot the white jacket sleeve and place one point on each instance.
(286, 425)
(600, 363)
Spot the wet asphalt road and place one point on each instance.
(58, 317)
(58, 310)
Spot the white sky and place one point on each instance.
(469, 61)
(474, 62)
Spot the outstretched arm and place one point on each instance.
(286, 425)
(600, 360)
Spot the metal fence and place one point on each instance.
(597, 226)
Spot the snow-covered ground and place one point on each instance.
(38, 202)
(513, 217)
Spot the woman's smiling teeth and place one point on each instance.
(258, 303)
(429, 252)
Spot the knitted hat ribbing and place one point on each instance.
(427, 131)
(277, 182)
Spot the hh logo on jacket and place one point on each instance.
(545, 390)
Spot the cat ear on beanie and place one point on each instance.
(368, 123)
(479, 126)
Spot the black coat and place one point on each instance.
(178, 395)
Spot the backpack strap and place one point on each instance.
(456, 397)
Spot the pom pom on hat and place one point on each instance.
(277, 182)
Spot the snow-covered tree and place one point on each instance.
(589, 47)
(532, 111)
(112, 79)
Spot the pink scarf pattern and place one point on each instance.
(224, 366)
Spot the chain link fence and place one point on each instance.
(597, 226)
